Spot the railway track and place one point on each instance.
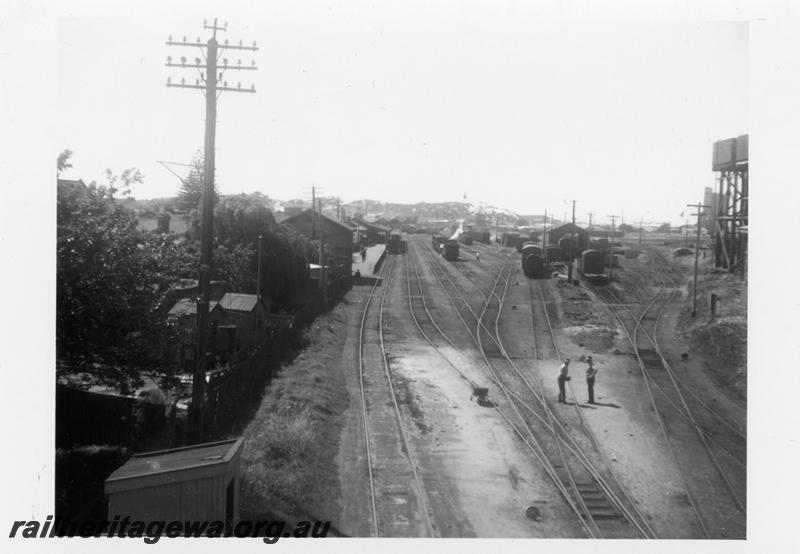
(586, 489)
(691, 429)
(398, 499)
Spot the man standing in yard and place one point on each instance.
(590, 373)
(563, 377)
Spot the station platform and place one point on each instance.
(367, 267)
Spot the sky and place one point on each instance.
(505, 104)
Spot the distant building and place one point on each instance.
(335, 234)
(372, 232)
(555, 234)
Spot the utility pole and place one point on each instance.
(323, 276)
(590, 222)
(497, 228)
(313, 212)
(611, 248)
(699, 207)
(571, 245)
(212, 84)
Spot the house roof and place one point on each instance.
(377, 227)
(187, 306)
(64, 182)
(307, 213)
(238, 302)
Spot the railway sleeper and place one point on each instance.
(597, 504)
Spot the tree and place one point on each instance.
(63, 161)
(123, 182)
(663, 228)
(106, 289)
(190, 194)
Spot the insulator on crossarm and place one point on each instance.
(252, 63)
(240, 63)
(170, 38)
(225, 84)
(184, 39)
(197, 81)
(225, 62)
(238, 85)
(240, 43)
(169, 59)
(169, 80)
(254, 44)
(197, 61)
(226, 42)
(253, 88)
(183, 60)
(183, 81)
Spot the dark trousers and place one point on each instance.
(590, 386)
(562, 393)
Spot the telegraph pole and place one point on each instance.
(323, 276)
(212, 84)
(590, 222)
(313, 212)
(571, 244)
(611, 248)
(699, 207)
(497, 228)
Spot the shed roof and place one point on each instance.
(568, 228)
(375, 226)
(308, 213)
(238, 302)
(188, 306)
(150, 464)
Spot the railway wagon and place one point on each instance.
(480, 236)
(395, 244)
(520, 242)
(600, 244)
(465, 238)
(591, 262)
(450, 250)
(533, 265)
(531, 248)
(509, 239)
(437, 242)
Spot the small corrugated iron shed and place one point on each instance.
(193, 483)
(239, 302)
(188, 306)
